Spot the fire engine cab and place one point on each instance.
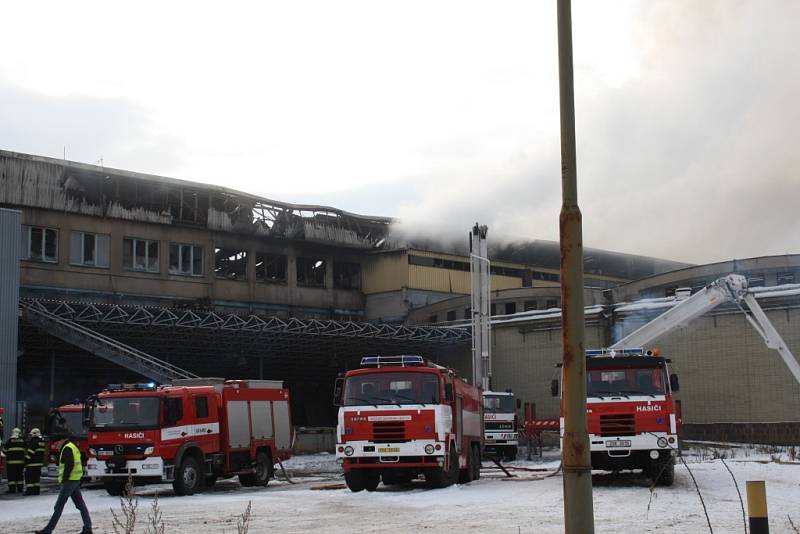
(188, 433)
(633, 420)
(500, 423)
(401, 417)
(69, 418)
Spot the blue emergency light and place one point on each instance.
(616, 352)
(402, 360)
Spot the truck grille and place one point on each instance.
(621, 424)
(508, 425)
(389, 431)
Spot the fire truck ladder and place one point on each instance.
(100, 345)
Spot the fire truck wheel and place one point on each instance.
(441, 478)
(210, 481)
(476, 462)
(354, 480)
(511, 454)
(263, 469)
(466, 475)
(115, 488)
(188, 477)
(667, 475)
(371, 481)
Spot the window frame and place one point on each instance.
(231, 251)
(81, 262)
(271, 258)
(300, 264)
(28, 228)
(147, 243)
(192, 251)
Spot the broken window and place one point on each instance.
(530, 305)
(511, 307)
(346, 275)
(467, 313)
(39, 244)
(271, 267)
(493, 309)
(551, 303)
(785, 278)
(140, 254)
(185, 259)
(756, 280)
(311, 272)
(451, 315)
(230, 263)
(89, 250)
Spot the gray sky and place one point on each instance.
(441, 113)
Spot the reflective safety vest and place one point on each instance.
(77, 468)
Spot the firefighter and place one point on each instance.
(34, 460)
(70, 472)
(15, 461)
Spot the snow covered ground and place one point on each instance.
(530, 503)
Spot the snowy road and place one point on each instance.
(489, 505)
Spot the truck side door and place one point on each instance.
(205, 427)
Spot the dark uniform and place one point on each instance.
(34, 461)
(15, 463)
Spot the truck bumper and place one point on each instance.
(151, 467)
(370, 455)
(632, 452)
(501, 438)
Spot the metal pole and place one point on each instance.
(578, 512)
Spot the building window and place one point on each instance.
(140, 255)
(39, 244)
(185, 259)
(511, 307)
(530, 305)
(89, 250)
(451, 315)
(551, 303)
(432, 319)
(670, 291)
(756, 280)
(493, 309)
(230, 263)
(311, 272)
(467, 313)
(785, 278)
(271, 267)
(346, 275)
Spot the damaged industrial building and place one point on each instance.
(123, 275)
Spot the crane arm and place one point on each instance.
(730, 288)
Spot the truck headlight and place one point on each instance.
(149, 450)
(428, 449)
(348, 451)
(662, 442)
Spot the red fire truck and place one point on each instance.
(189, 433)
(633, 420)
(69, 418)
(402, 416)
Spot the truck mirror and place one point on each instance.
(673, 381)
(519, 404)
(554, 387)
(337, 391)
(448, 392)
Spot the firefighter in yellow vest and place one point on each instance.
(70, 472)
(34, 460)
(15, 461)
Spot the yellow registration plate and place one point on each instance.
(389, 449)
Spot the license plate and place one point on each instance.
(619, 443)
(389, 449)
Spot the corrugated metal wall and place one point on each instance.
(385, 272)
(10, 233)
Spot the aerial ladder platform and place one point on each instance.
(732, 288)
